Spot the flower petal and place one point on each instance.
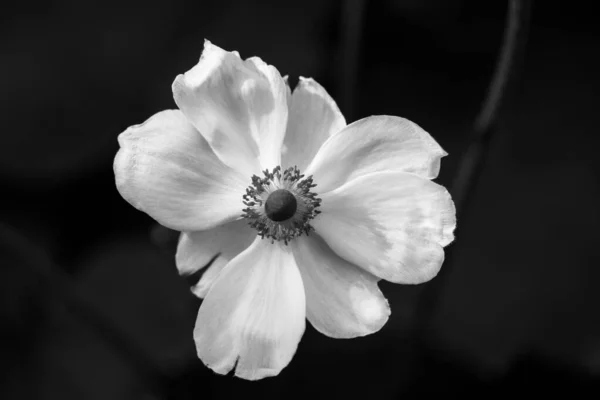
(240, 107)
(374, 144)
(342, 300)
(166, 169)
(196, 249)
(393, 224)
(270, 128)
(208, 278)
(254, 314)
(314, 117)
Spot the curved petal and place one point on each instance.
(240, 107)
(208, 278)
(166, 169)
(342, 300)
(270, 127)
(254, 314)
(196, 249)
(393, 224)
(375, 144)
(314, 117)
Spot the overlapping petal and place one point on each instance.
(375, 144)
(270, 127)
(313, 118)
(342, 300)
(392, 224)
(196, 249)
(381, 215)
(166, 169)
(254, 313)
(240, 107)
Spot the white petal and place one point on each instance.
(314, 117)
(393, 224)
(253, 314)
(342, 300)
(374, 144)
(208, 278)
(271, 126)
(240, 107)
(196, 249)
(166, 169)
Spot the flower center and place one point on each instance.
(280, 205)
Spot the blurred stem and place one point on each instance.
(59, 287)
(472, 161)
(469, 169)
(352, 26)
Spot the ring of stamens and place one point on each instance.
(281, 204)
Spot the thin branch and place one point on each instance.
(469, 169)
(471, 164)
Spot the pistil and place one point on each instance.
(280, 206)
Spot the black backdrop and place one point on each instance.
(91, 304)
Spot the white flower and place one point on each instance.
(287, 250)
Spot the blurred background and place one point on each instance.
(91, 305)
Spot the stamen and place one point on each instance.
(280, 206)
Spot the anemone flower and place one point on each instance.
(300, 214)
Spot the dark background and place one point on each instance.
(91, 306)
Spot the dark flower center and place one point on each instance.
(280, 205)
